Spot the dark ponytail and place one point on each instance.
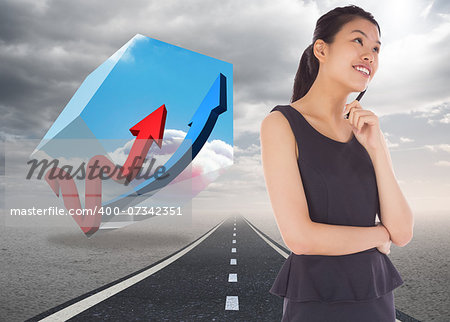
(326, 28)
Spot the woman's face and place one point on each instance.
(356, 46)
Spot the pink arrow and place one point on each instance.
(147, 131)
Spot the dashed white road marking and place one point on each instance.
(232, 277)
(234, 228)
(234, 241)
(86, 303)
(232, 303)
(233, 250)
(234, 234)
(233, 261)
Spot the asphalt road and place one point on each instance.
(225, 275)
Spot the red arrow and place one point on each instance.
(150, 129)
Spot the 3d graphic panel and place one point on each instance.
(153, 122)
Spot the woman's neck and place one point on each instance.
(325, 100)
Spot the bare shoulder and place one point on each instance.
(275, 123)
(274, 117)
(276, 133)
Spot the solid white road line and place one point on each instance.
(278, 249)
(96, 298)
(233, 261)
(232, 277)
(232, 303)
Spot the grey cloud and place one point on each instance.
(441, 6)
(421, 126)
(47, 50)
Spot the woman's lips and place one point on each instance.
(362, 73)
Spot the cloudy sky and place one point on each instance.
(47, 48)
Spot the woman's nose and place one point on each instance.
(368, 56)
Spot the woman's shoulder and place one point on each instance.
(275, 119)
(280, 108)
(276, 126)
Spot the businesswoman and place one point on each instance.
(329, 176)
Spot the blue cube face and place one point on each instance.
(148, 92)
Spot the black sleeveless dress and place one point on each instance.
(340, 187)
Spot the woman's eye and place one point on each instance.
(377, 49)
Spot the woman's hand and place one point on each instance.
(385, 247)
(365, 125)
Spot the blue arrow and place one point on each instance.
(201, 126)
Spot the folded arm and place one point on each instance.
(395, 213)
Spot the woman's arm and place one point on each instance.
(395, 213)
(287, 196)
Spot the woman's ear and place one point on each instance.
(320, 50)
